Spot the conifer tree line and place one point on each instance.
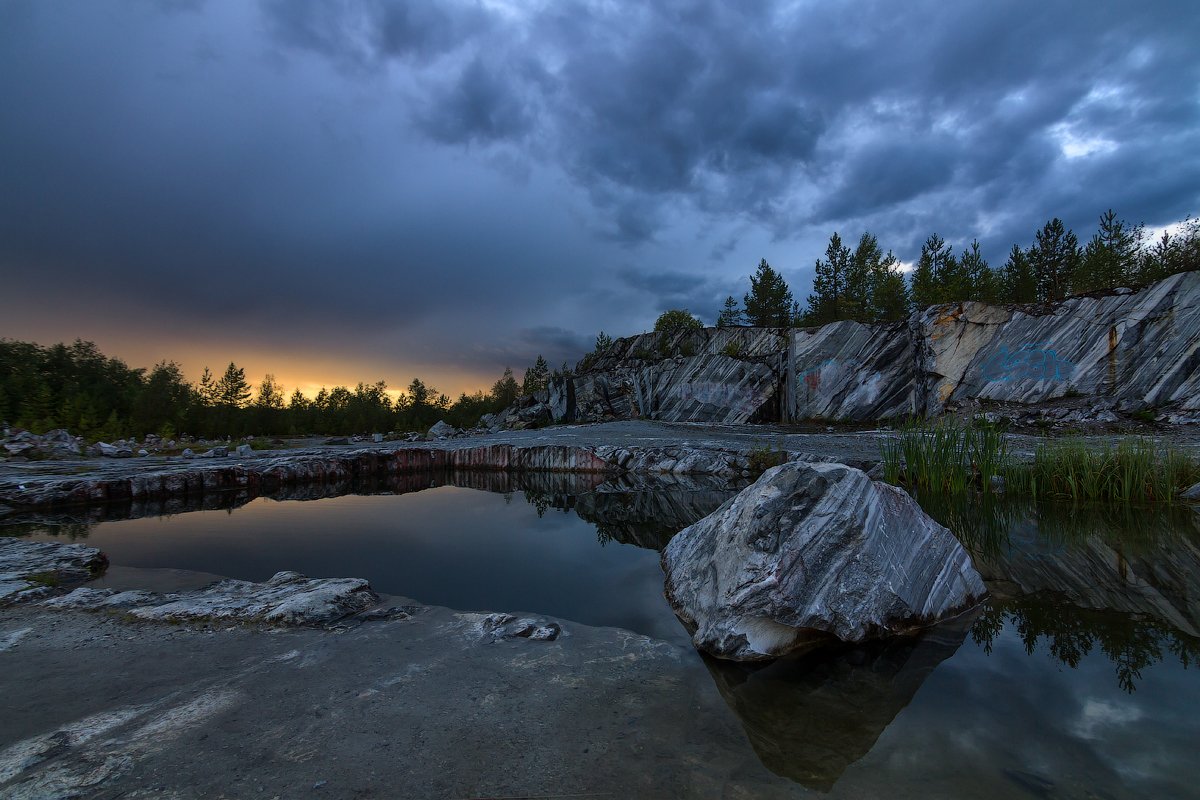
(78, 388)
(866, 284)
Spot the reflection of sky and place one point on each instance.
(1004, 724)
(466, 549)
(1016, 725)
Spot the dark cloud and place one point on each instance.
(426, 181)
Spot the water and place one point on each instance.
(1075, 679)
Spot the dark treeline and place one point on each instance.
(865, 284)
(78, 388)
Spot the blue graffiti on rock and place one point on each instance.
(1033, 361)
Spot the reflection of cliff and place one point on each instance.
(1144, 562)
(1080, 578)
(643, 510)
(809, 718)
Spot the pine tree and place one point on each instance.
(232, 390)
(1054, 259)
(536, 377)
(769, 302)
(980, 280)
(829, 300)
(207, 389)
(1110, 258)
(889, 297)
(1018, 284)
(506, 390)
(926, 290)
(731, 314)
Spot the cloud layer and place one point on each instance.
(431, 186)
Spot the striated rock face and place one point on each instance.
(34, 569)
(288, 598)
(1124, 351)
(811, 551)
(848, 370)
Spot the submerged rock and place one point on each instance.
(34, 569)
(288, 598)
(812, 551)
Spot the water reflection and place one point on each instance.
(808, 718)
(1122, 580)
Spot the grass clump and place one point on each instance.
(1132, 470)
(954, 458)
(763, 457)
(945, 457)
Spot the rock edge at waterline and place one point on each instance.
(812, 551)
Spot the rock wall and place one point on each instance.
(1124, 351)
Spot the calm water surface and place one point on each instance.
(1075, 680)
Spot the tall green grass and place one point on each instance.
(951, 457)
(1132, 470)
(944, 456)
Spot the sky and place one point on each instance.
(338, 191)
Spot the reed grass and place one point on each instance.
(950, 457)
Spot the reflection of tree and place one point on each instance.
(1071, 633)
(540, 502)
(69, 530)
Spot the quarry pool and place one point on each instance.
(1076, 678)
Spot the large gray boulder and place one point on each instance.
(812, 551)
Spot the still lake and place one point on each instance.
(1077, 678)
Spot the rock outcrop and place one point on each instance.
(288, 598)
(812, 551)
(35, 569)
(1124, 351)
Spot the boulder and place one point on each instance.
(442, 430)
(1191, 494)
(812, 551)
(119, 450)
(246, 451)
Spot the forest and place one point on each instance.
(79, 388)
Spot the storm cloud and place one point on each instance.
(444, 188)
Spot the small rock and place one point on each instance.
(188, 453)
(443, 430)
(143, 452)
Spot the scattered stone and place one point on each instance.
(812, 551)
(188, 453)
(443, 430)
(495, 627)
(143, 452)
(337, 440)
(216, 452)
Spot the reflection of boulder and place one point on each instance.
(647, 518)
(808, 718)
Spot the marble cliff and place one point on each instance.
(1116, 353)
